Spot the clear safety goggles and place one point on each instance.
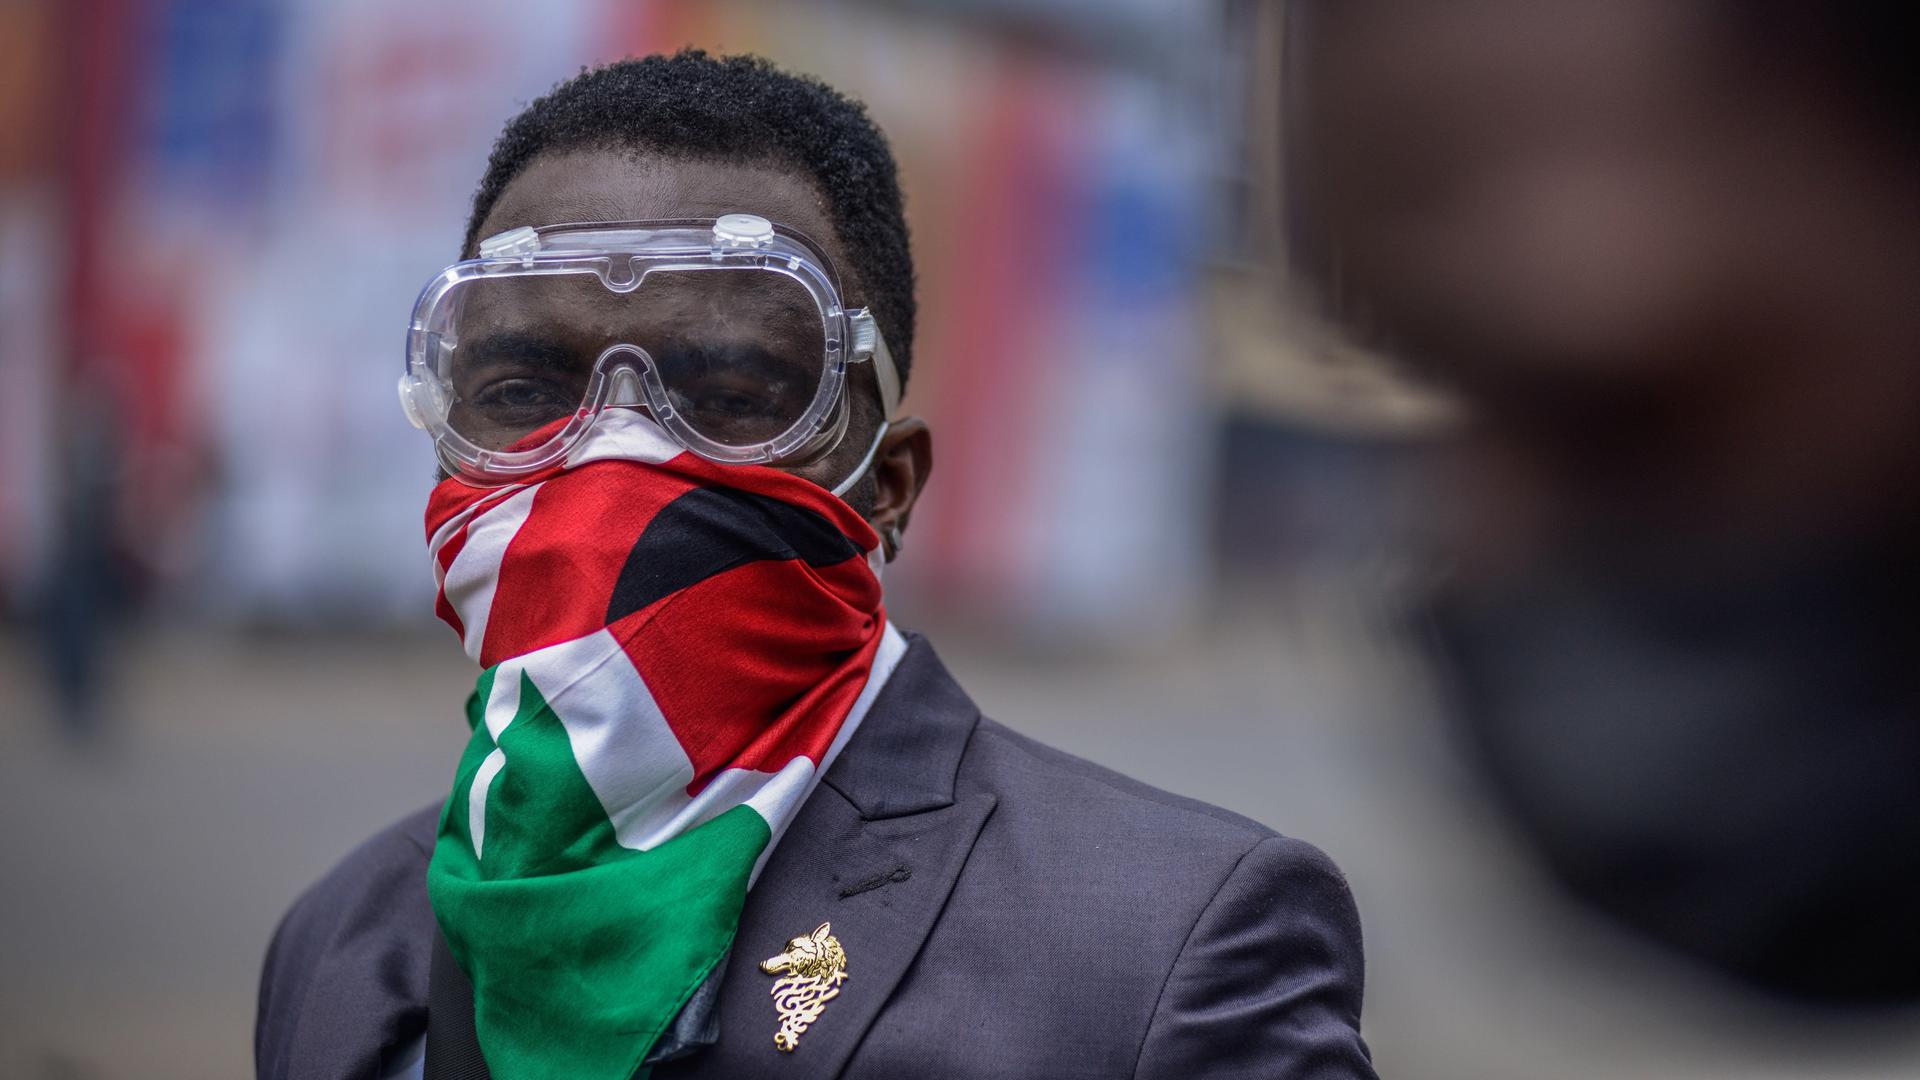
(730, 332)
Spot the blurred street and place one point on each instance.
(143, 880)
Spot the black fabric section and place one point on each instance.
(453, 1043)
(711, 530)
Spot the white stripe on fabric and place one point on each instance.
(625, 435)
(780, 793)
(475, 573)
(503, 701)
(454, 524)
(477, 796)
(629, 755)
(780, 803)
(767, 792)
(503, 704)
(775, 796)
(621, 740)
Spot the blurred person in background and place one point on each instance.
(691, 686)
(1669, 252)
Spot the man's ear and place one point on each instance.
(900, 470)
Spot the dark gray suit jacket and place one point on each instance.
(1007, 911)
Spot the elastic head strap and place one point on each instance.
(870, 344)
(866, 463)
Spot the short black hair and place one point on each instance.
(737, 109)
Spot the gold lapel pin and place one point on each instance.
(814, 965)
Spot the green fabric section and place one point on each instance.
(581, 951)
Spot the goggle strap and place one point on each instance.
(870, 344)
(866, 463)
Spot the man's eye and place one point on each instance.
(723, 402)
(725, 396)
(521, 394)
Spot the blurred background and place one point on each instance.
(1180, 523)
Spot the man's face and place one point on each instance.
(608, 185)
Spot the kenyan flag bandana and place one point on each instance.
(670, 648)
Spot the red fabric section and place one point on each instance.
(560, 569)
(450, 548)
(448, 502)
(752, 666)
(450, 499)
(454, 496)
(748, 664)
(444, 608)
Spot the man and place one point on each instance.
(717, 817)
(1668, 251)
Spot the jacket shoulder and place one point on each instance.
(1242, 945)
(1158, 825)
(1270, 979)
(345, 975)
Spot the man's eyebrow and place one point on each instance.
(535, 350)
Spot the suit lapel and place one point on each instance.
(897, 886)
(875, 851)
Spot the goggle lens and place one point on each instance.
(738, 355)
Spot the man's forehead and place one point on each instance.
(615, 185)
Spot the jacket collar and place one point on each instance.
(905, 755)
